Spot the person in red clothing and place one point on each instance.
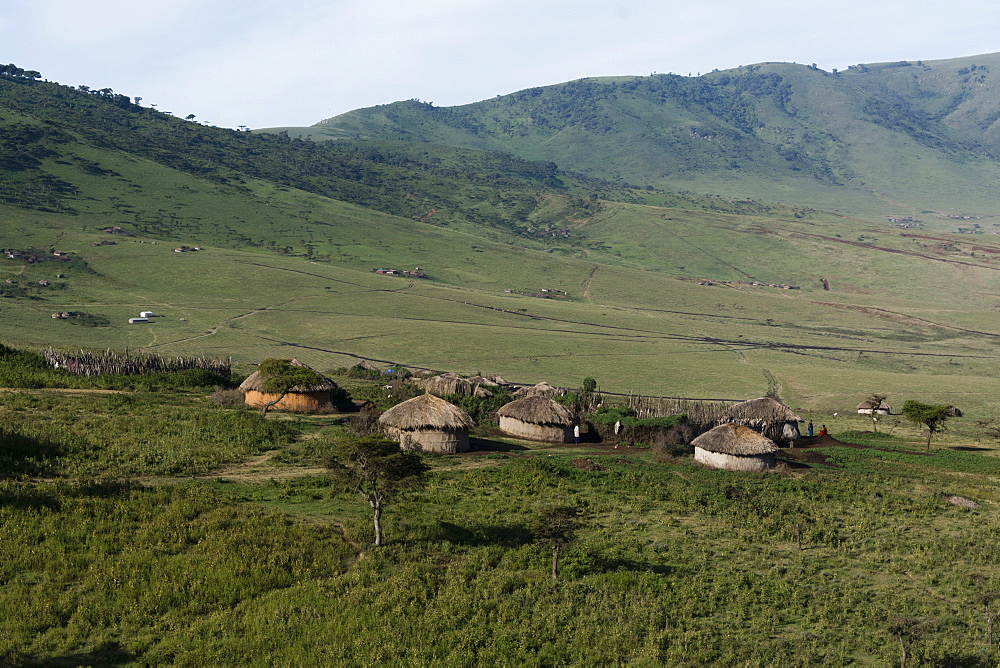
(823, 431)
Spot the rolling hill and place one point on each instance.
(890, 139)
(531, 271)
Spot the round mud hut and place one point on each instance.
(766, 416)
(537, 418)
(429, 424)
(317, 397)
(733, 447)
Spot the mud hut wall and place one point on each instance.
(430, 440)
(718, 460)
(535, 432)
(296, 402)
(790, 431)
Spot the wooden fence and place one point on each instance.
(86, 363)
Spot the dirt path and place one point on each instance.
(260, 468)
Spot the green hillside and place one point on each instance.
(660, 288)
(891, 139)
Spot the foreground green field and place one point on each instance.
(161, 528)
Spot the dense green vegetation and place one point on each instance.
(118, 558)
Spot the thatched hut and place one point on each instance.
(428, 423)
(452, 383)
(537, 418)
(868, 407)
(541, 389)
(766, 416)
(733, 447)
(314, 398)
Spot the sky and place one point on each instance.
(269, 63)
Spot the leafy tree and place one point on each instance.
(557, 526)
(931, 416)
(875, 399)
(378, 470)
(281, 376)
(907, 630)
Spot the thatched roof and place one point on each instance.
(452, 383)
(367, 366)
(868, 405)
(256, 382)
(734, 439)
(542, 389)
(759, 411)
(538, 410)
(480, 380)
(426, 412)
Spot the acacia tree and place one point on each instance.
(557, 526)
(377, 469)
(281, 376)
(931, 416)
(875, 399)
(907, 630)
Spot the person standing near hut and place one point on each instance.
(576, 434)
(810, 428)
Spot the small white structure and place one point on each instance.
(136, 321)
(868, 407)
(145, 314)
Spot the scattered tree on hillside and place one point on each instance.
(907, 630)
(931, 416)
(875, 399)
(281, 376)
(378, 470)
(557, 526)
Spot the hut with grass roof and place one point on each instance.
(429, 424)
(452, 383)
(317, 396)
(733, 447)
(541, 389)
(767, 416)
(537, 418)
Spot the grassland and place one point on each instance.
(910, 316)
(126, 546)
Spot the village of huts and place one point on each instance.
(743, 436)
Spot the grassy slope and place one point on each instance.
(877, 139)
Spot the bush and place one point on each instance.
(228, 398)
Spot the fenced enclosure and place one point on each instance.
(86, 363)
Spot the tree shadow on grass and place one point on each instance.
(27, 496)
(595, 564)
(22, 455)
(474, 535)
(108, 654)
(489, 445)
